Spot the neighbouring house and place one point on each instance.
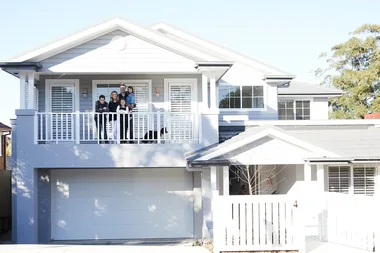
(5, 131)
(216, 109)
(5, 181)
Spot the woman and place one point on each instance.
(113, 104)
(131, 104)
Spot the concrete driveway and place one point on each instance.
(98, 248)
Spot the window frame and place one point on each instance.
(351, 188)
(49, 83)
(294, 100)
(241, 109)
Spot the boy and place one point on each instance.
(101, 106)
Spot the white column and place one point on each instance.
(213, 178)
(204, 92)
(212, 93)
(30, 90)
(22, 90)
(307, 172)
(226, 181)
(321, 177)
(377, 208)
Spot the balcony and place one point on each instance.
(131, 128)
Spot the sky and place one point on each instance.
(287, 34)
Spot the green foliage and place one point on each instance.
(354, 67)
(9, 147)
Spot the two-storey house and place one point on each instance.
(200, 110)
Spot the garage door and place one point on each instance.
(121, 204)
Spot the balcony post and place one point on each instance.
(205, 92)
(30, 88)
(22, 90)
(77, 128)
(212, 93)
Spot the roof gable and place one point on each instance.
(117, 52)
(197, 42)
(252, 135)
(93, 32)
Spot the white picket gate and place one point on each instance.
(256, 223)
(350, 220)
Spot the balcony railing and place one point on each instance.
(116, 128)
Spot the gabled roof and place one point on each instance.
(198, 43)
(93, 32)
(302, 88)
(330, 142)
(4, 128)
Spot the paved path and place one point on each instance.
(98, 248)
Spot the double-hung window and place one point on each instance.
(293, 109)
(352, 179)
(241, 97)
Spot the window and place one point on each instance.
(293, 110)
(348, 179)
(241, 97)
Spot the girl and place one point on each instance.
(131, 104)
(123, 110)
(113, 104)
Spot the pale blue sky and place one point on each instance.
(288, 34)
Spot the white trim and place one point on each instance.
(307, 172)
(267, 132)
(194, 92)
(205, 92)
(51, 82)
(126, 81)
(265, 99)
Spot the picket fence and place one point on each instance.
(252, 223)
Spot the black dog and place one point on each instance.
(152, 136)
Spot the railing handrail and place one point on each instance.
(143, 126)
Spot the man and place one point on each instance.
(123, 92)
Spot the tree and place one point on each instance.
(8, 146)
(354, 67)
(257, 179)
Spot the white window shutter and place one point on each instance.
(364, 180)
(339, 179)
(181, 126)
(62, 103)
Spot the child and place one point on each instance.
(101, 106)
(123, 110)
(114, 103)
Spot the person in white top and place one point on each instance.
(122, 108)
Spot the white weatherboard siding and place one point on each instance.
(319, 109)
(121, 204)
(117, 51)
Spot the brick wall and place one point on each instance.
(375, 115)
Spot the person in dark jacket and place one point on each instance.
(123, 93)
(101, 106)
(113, 104)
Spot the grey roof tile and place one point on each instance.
(302, 88)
